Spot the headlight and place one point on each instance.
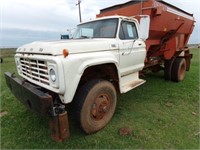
(52, 75)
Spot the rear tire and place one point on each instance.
(178, 70)
(95, 105)
(168, 68)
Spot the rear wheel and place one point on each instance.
(95, 105)
(168, 68)
(178, 70)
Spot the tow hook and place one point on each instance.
(59, 124)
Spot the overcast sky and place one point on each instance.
(23, 21)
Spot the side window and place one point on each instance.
(128, 31)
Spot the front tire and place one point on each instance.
(95, 105)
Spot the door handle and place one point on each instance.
(139, 44)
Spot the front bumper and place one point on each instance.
(30, 95)
(35, 99)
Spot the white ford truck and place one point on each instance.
(103, 57)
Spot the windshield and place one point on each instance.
(97, 29)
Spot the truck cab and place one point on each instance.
(124, 41)
(103, 58)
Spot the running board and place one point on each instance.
(130, 82)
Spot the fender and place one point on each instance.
(74, 66)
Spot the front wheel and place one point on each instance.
(95, 105)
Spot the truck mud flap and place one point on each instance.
(29, 95)
(59, 127)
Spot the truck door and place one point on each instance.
(131, 48)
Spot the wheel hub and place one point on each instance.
(100, 107)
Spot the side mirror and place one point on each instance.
(144, 27)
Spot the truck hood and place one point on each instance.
(73, 46)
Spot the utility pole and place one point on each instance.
(79, 7)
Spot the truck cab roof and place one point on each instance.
(111, 17)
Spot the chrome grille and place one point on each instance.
(35, 69)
